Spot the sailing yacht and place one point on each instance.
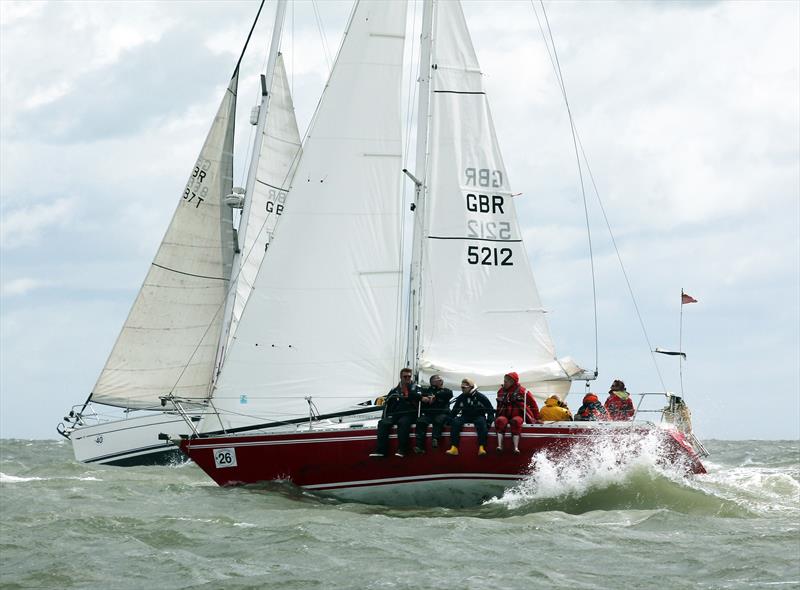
(332, 318)
(179, 326)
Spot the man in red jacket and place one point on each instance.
(515, 405)
(619, 405)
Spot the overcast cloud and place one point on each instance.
(689, 113)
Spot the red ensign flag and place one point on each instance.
(687, 299)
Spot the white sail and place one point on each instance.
(322, 317)
(169, 340)
(481, 312)
(279, 155)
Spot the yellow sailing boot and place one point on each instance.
(481, 451)
(453, 450)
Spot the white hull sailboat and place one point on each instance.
(324, 329)
(179, 326)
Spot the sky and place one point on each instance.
(688, 113)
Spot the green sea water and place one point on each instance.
(574, 524)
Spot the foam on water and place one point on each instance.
(15, 479)
(755, 488)
(612, 473)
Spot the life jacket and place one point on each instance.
(403, 399)
(552, 411)
(618, 408)
(512, 402)
(591, 409)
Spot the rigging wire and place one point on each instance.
(559, 75)
(321, 30)
(579, 147)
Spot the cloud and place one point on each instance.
(23, 226)
(23, 286)
(688, 114)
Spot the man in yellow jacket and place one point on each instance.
(554, 410)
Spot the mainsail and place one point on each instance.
(169, 340)
(481, 312)
(322, 317)
(279, 155)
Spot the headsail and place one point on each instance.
(279, 155)
(321, 320)
(169, 340)
(482, 316)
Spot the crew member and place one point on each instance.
(515, 405)
(435, 409)
(470, 407)
(554, 410)
(400, 408)
(591, 410)
(619, 405)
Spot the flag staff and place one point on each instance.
(680, 344)
(685, 298)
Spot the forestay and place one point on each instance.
(169, 340)
(321, 320)
(279, 155)
(482, 316)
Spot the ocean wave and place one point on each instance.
(756, 488)
(4, 478)
(614, 474)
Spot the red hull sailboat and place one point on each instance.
(337, 462)
(323, 329)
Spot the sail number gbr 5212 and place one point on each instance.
(480, 229)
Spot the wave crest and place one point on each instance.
(613, 473)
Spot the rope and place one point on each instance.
(577, 141)
(322, 36)
(559, 75)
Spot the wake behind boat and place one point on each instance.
(331, 318)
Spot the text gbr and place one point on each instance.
(487, 230)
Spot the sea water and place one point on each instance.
(584, 521)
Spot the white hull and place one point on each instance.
(444, 489)
(129, 441)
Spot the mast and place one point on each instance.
(263, 108)
(420, 182)
(266, 83)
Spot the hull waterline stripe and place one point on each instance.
(413, 479)
(154, 449)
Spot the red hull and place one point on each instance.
(337, 461)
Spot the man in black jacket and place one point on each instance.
(435, 406)
(400, 408)
(470, 407)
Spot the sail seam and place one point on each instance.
(189, 274)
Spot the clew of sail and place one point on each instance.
(481, 312)
(169, 340)
(279, 155)
(323, 315)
